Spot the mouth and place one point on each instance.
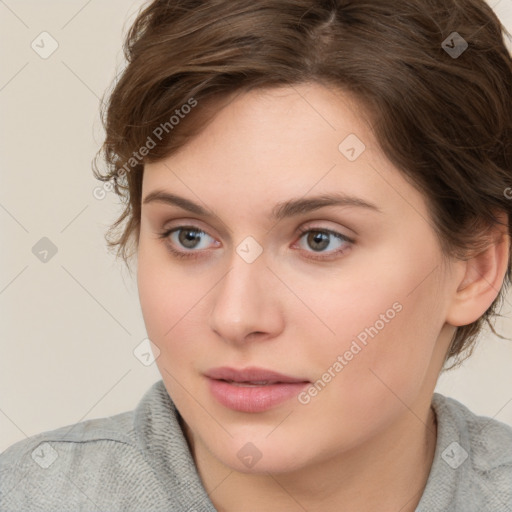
(252, 389)
(251, 384)
(252, 375)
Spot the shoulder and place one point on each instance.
(477, 450)
(79, 466)
(40, 448)
(490, 440)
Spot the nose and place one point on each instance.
(246, 303)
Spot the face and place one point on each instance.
(291, 328)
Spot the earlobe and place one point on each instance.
(482, 279)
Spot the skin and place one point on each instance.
(367, 439)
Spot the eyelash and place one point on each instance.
(192, 254)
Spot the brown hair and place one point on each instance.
(441, 112)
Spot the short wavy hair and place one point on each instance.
(436, 78)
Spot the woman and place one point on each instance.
(316, 196)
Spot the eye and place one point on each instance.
(319, 240)
(188, 237)
(190, 242)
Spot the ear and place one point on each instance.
(480, 278)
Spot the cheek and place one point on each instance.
(383, 329)
(164, 296)
(173, 307)
(154, 296)
(165, 300)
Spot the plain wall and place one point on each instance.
(69, 325)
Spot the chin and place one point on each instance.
(260, 456)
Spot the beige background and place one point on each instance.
(69, 326)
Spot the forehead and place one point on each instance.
(269, 145)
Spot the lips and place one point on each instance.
(252, 390)
(255, 376)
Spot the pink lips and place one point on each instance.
(252, 389)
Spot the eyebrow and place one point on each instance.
(280, 211)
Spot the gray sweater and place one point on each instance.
(139, 460)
